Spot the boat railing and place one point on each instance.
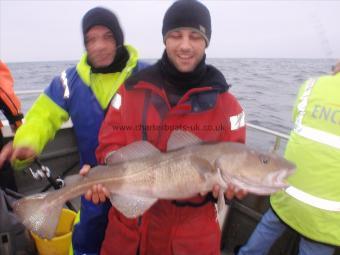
(7, 132)
(28, 92)
(278, 135)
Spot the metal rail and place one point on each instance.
(278, 136)
(28, 92)
(268, 131)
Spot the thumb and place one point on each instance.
(85, 170)
(23, 153)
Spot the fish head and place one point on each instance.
(254, 171)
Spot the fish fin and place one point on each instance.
(221, 202)
(136, 150)
(203, 166)
(39, 214)
(131, 206)
(180, 139)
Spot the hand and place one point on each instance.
(230, 193)
(8, 152)
(98, 193)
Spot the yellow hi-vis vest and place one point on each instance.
(311, 205)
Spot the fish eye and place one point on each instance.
(264, 160)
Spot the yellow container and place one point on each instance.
(60, 244)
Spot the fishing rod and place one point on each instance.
(44, 172)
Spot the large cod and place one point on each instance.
(139, 174)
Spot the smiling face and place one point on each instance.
(101, 46)
(185, 49)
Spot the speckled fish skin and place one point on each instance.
(179, 174)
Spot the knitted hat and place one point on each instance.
(187, 14)
(103, 17)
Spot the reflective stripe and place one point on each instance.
(319, 136)
(311, 200)
(304, 101)
(312, 133)
(116, 101)
(237, 121)
(63, 79)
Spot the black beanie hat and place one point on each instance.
(103, 17)
(188, 14)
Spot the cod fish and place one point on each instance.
(139, 174)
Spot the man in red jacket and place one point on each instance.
(181, 91)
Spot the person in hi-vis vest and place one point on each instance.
(311, 205)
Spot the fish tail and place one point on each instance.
(39, 213)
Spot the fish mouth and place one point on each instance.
(259, 189)
(278, 179)
(270, 184)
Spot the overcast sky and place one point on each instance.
(50, 30)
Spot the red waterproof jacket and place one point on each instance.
(141, 111)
